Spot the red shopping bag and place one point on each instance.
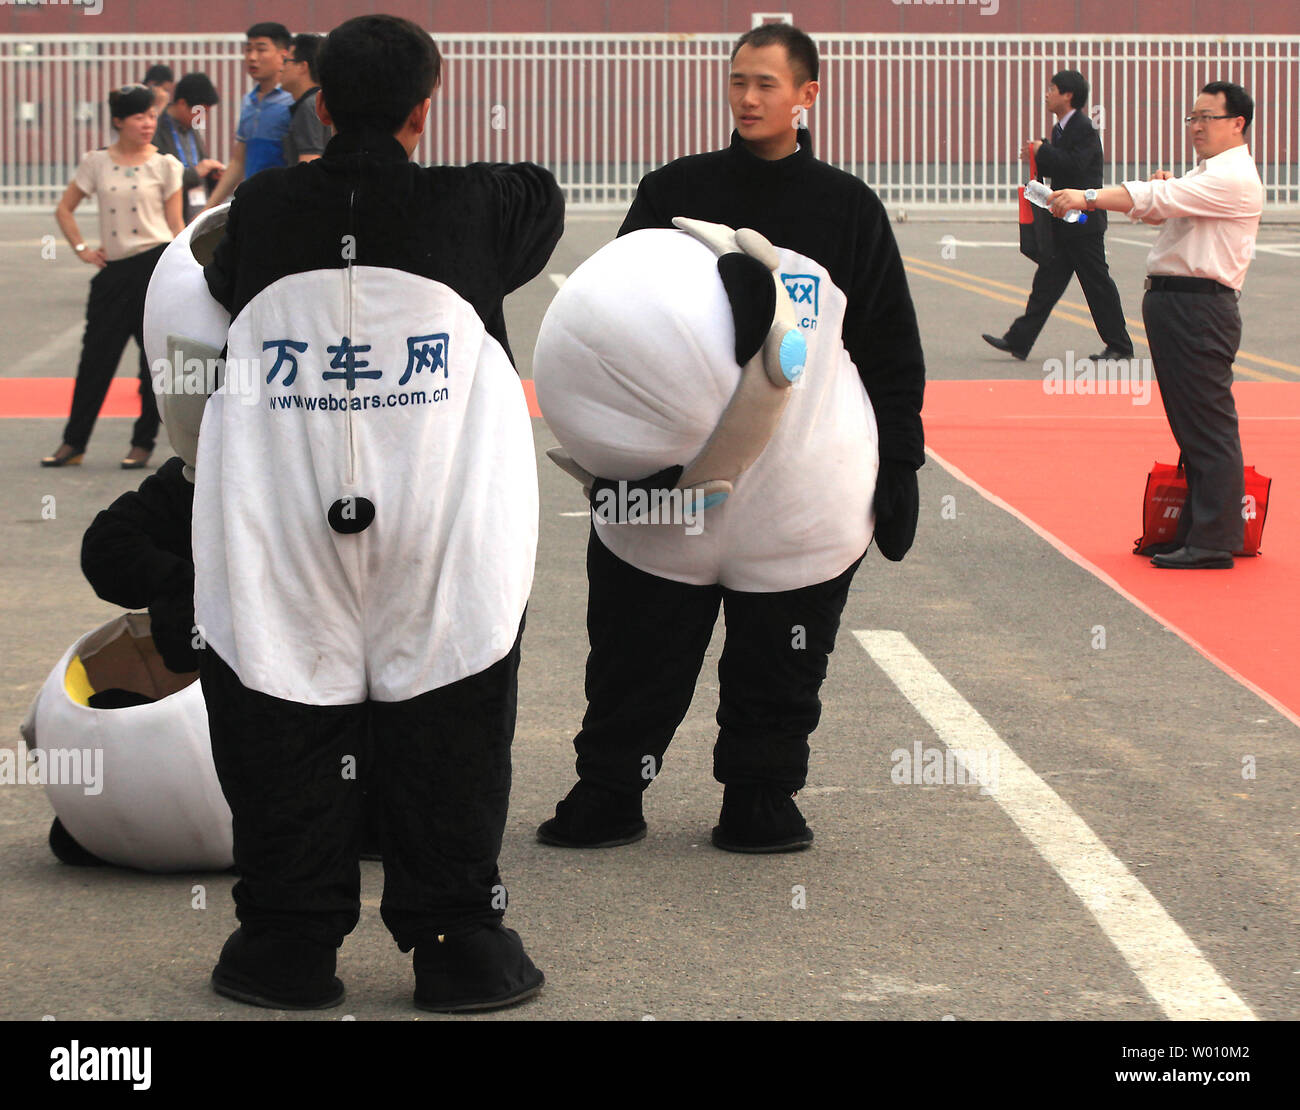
(1166, 493)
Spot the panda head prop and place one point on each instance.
(666, 358)
(184, 324)
(135, 786)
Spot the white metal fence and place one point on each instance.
(926, 120)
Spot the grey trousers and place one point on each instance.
(1194, 338)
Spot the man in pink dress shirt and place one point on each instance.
(1208, 222)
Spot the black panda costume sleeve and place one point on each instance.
(139, 547)
(530, 218)
(137, 553)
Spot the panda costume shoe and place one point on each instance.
(640, 372)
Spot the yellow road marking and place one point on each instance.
(1073, 312)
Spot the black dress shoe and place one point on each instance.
(1003, 345)
(1194, 558)
(484, 968)
(278, 972)
(759, 819)
(1158, 548)
(1110, 354)
(593, 817)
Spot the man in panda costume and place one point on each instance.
(365, 526)
(632, 380)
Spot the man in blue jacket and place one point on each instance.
(263, 114)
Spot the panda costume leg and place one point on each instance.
(443, 776)
(647, 636)
(296, 810)
(772, 667)
(440, 763)
(771, 672)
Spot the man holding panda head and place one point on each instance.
(801, 515)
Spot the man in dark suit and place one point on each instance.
(1072, 159)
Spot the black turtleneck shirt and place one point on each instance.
(813, 208)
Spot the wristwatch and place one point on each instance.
(1090, 195)
(79, 247)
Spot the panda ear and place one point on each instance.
(752, 294)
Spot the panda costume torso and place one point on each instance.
(802, 512)
(383, 375)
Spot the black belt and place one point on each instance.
(1171, 284)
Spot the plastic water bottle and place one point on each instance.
(1038, 193)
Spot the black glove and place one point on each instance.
(171, 620)
(897, 506)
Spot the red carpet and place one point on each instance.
(52, 397)
(1076, 467)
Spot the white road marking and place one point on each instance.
(585, 512)
(52, 351)
(1145, 244)
(949, 241)
(558, 279)
(1178, 977)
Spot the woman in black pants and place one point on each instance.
(138, 190)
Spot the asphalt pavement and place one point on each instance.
(917, 901)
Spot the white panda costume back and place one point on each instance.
(634, 366)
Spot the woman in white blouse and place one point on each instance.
(138, 190)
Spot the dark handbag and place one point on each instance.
(1036, 242)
